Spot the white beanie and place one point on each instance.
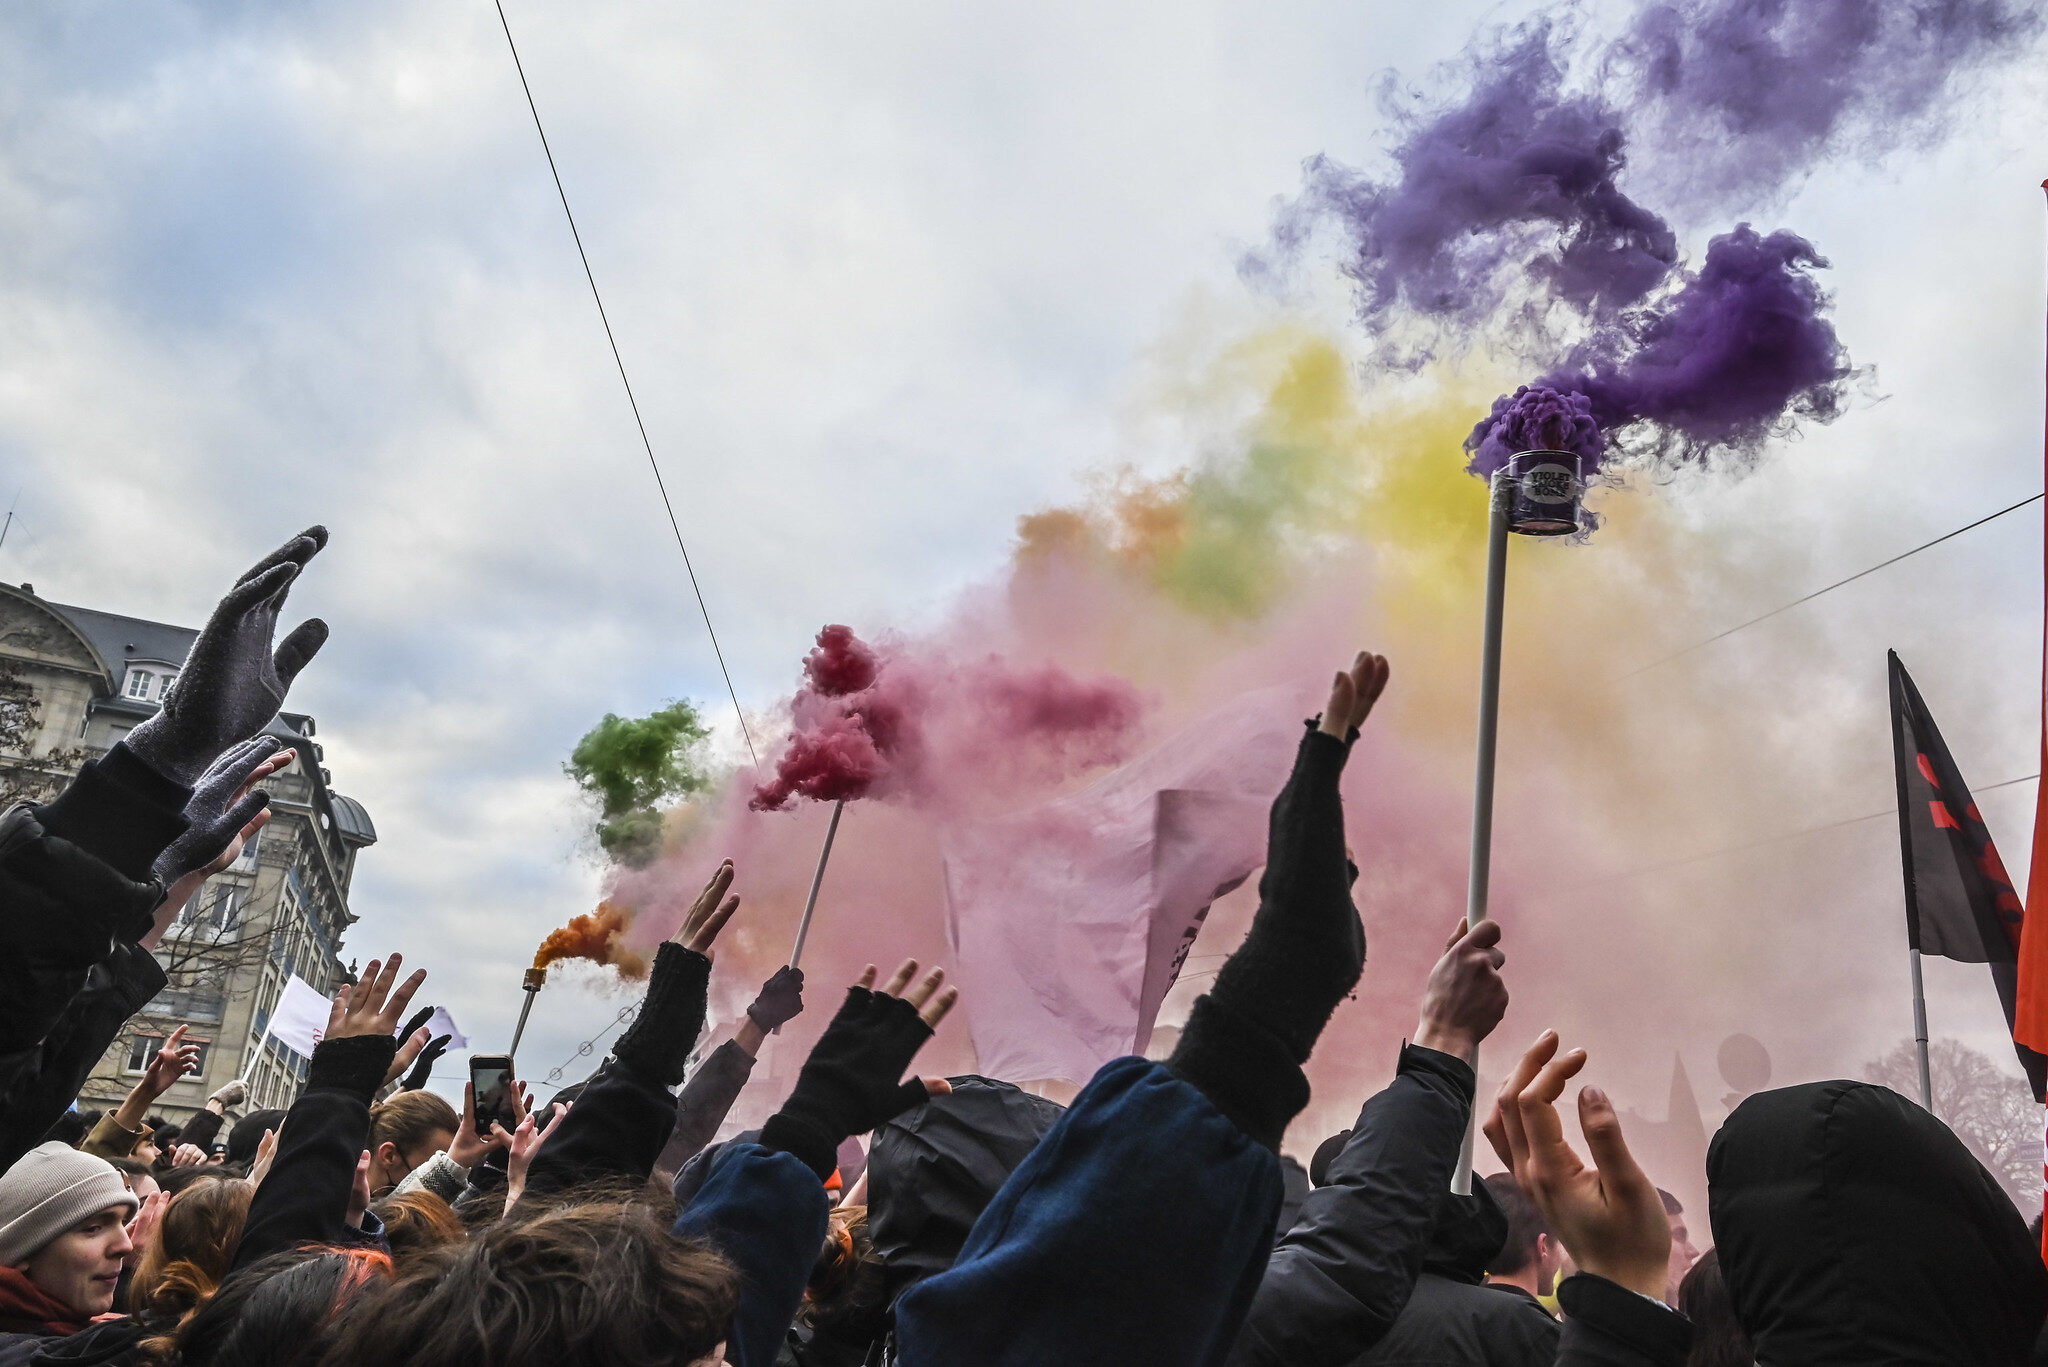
(49, 1189)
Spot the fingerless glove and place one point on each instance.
(851, 1083)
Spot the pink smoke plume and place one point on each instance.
(916, 726)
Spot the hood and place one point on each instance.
(935, 1168)
(1855, 1228)
(1470, 1232)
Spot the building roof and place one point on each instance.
(352, 821)
(119, 639)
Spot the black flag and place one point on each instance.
(1960, 902)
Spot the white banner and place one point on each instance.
(300, 1017)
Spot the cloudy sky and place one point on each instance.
(883, 276)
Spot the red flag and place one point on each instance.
(2030, 1024)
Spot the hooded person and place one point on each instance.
(1453, 1317)
(1853, 1227)
(63, 1241)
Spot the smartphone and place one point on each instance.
(491, 1076)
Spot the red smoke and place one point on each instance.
(916, 726)
(595, 935)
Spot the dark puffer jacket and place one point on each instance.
(1855, 1228)
(1454, 1319)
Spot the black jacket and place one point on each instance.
(74, 882)
(1853, 1227)
(1453, 1319)
(1339, 1278)
(114, 989)
(305, 1197)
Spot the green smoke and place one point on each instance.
(631, 766)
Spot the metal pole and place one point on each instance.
(1920, 1036)
(520, 1029)
(803, 927)
(1482, 778)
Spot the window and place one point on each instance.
(143, 1048)
(197, 1004)
(139, 681)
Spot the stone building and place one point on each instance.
(75, 680)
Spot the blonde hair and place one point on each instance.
(193, 1249)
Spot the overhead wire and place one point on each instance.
(660, 484)
(1808, 598)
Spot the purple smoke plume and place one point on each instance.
(1511, 197)
(1741, 97)
(1735, 355)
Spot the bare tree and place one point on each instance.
(1990, 1109)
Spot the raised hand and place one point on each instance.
(852, 1082)
(469, 1148)
(371, 1006)
(521, 1144)
(187, 1156)
(223, 811)
(1352, 694)
(266, 1154)
(1608, 1215)
(230, 1093)
(359, 1194)
(1464, 997)
(233, 683)
(172, 1062)
(709, 914)
(142, 1229)
(781, 999)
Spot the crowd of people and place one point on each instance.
(880, 1217)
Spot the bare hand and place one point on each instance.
(469, 1148)
(1464, 997)
(1352, 694)
(709, 915)
(187, 1156)
(359, 1194)
(266, 1153)
(1609, 1216)
(172, 1062)
(520, 1147)
(370, 1007)
(142, 1229)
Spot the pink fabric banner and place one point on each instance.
(1069, 922)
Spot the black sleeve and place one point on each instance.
(1340, 1276)
(304, 1200)
(616, 1129)
(702, 1105)
(1606, 1325)
(202, 1129)
(115, 988)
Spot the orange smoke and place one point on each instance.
(598, 936)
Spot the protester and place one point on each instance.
(1683, 1254)
(705, 1100)
(405, 1132)
(415, 1224)
(63, 1242)
(1530, 1257)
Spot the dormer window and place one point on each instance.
(148, 685)
(139, 681)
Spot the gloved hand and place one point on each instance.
(232, 683)
(852, 1082)
(421, 1070)
(231, 1093)
(214, 815)
(781, 999)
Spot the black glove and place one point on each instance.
(781, 999)
(232, 684)
(429, 1056)
(212, 823)
(657, 1044)
(851, 1083)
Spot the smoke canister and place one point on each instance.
(1548, 487)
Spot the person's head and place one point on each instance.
(415, 1223)
(1531, 1255)
(139, 1177)
(847, 1283)
(175, 1180)
(595, 1285)
(405, 1132)
(63, 1222)
(71, 1128)
(276, 1311)
(1717, 1338)
(248, 1133)
(1683, 1253)
(194, 1246)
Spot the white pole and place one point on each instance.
(1920, 1036)
(803, 927)
(1482, 778)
